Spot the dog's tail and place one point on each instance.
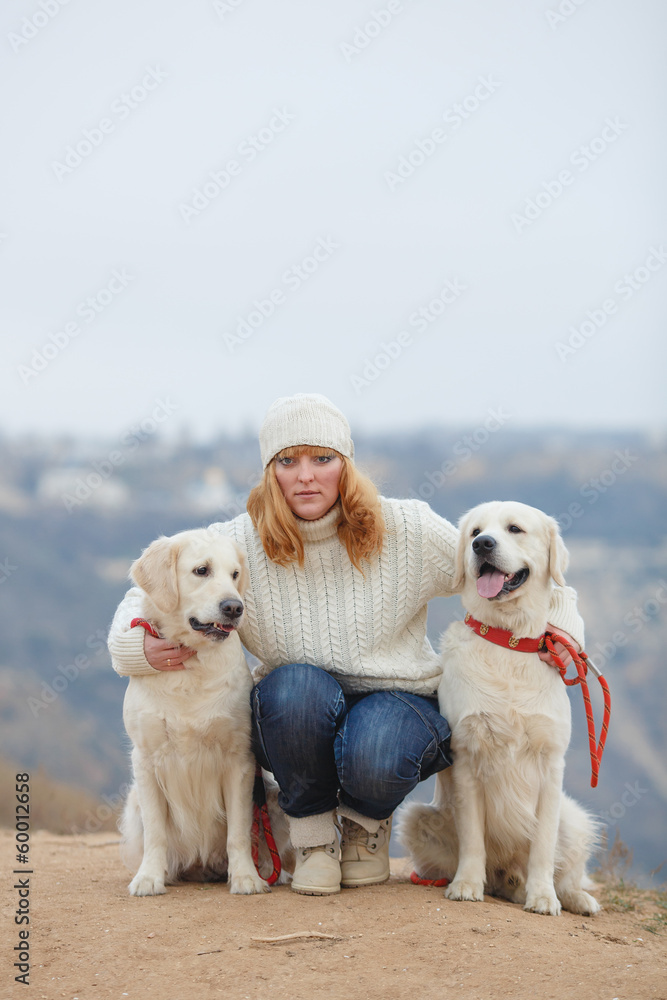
(579, 836)
(131, 832)
(429, 834)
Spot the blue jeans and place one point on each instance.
(368, 750)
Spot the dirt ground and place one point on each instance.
(90, 940)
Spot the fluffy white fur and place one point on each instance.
(499, 818)
(189, 812)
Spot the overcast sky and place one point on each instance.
(424, 210)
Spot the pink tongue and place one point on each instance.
(490, 584)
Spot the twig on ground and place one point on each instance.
(295, 936)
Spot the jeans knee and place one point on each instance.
(378, 772)
(297, 683)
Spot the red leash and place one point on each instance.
(582, 663)
(418, 880)
(503, 637)
(261, 820)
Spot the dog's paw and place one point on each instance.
(581, 902)
(544, 901)
(515, 887)
(462, 889)
(146, 885)
(246, 885)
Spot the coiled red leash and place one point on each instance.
(582, 663)
(503, 637)
(261, 822)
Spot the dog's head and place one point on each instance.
(508, 553)
(195, 580)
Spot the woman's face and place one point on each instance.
(309, 483)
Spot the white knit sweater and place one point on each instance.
(368, 630)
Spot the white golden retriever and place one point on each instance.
(189, 811)
(499, 817)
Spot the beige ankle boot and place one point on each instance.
(364, 856)
(317, 870)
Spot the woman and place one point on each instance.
(344, 708)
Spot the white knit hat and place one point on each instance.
(306, 418)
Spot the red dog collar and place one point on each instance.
(503, 636)
(146, 625)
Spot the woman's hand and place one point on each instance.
(546, 656)
(163, 656)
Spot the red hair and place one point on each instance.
(361, 527)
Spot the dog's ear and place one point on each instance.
(459, 555)
(244, 579)
(155, 572)
(558, 554)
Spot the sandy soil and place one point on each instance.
(90, 940)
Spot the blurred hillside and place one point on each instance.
(75, 513)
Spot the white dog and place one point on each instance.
(499, 817)
(189, 812)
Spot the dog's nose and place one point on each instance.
(483, 544)
(231, 609)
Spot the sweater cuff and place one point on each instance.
(127, 653)
(563, 613)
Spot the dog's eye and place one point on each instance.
(235, 575)
(201, 571)
(515, 529)
(475, 532)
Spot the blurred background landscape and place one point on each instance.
(449, 218)
(64, 561)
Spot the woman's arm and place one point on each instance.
(126, 645)
(134, 651)
(564, 617)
